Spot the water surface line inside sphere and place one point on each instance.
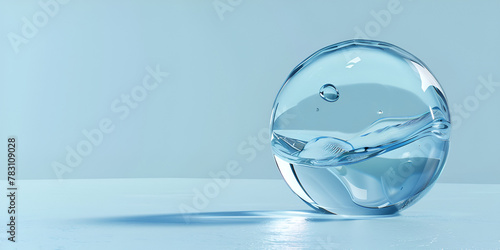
(384, 135)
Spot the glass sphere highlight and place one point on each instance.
(359, 128)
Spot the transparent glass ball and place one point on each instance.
(359, 128)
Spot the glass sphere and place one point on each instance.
(360, 128)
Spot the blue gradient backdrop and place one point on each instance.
(75, 65)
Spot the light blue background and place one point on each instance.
(224, 72)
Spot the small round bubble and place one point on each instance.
(360, 128)
(329, 93)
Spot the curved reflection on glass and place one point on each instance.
(360, 128)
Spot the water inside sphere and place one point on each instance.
(375, 150)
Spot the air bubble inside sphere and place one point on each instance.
(360, 128)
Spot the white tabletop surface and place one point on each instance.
(245, 214)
